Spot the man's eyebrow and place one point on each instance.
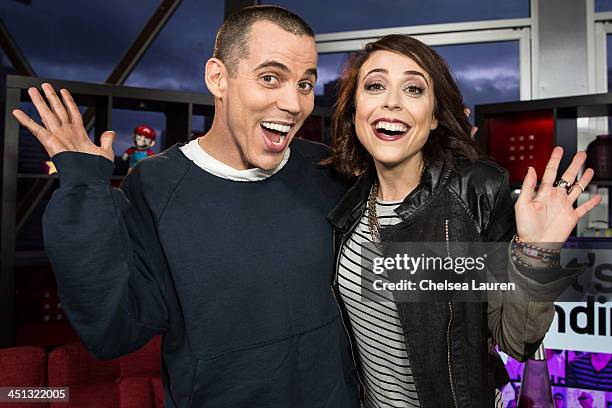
(312, 72)
(283, 67)
(273, 64)
(409, 72)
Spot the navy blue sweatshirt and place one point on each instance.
(234, 275)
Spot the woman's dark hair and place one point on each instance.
(450, 140)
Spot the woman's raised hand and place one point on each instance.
(547, 215)
(62, 128)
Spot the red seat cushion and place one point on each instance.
(145, 362)
(98, 395)
(158, 392)
(131, 381)
(135, 392)
(23, 367)
(72, 364)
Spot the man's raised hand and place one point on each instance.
(62, 128)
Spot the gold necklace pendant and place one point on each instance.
(373, 217)
(371, 208)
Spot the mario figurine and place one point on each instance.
(144, 140)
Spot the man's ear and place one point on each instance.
(215, 76)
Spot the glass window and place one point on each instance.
(175, 60)
(609, 60)
(329, 70)
(603, 5)
(345, 15)
(609, 72)
(485, 72)
(72, 39)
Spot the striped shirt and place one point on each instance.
(380, 342)
(581, 374)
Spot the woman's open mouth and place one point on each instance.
(390, 129)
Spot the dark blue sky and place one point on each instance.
(77, 40)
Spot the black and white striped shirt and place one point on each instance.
(380, 341)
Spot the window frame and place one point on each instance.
(448, 34)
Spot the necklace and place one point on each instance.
(371, 208)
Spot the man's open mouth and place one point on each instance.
(390, 130)
(275, 134)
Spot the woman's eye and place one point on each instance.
(375, 86)
(413, 89)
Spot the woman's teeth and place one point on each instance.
(392, 127)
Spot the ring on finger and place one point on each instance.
(576, 183)
(563, 184)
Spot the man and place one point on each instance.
(221, 244)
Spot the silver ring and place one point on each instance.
(576, 183)
(563, 184)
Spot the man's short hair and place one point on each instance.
(232, 42)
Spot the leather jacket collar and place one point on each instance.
(351, 205)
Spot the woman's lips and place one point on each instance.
(387, 137)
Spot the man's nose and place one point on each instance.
(289, 100)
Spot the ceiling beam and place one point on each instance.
(13, 52)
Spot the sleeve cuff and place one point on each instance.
(541, 275)
(78, 169)
(543, 284)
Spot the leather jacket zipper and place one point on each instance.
(449, 340)
(450, 355)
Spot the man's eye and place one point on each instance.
(269, 79)
(306, 86)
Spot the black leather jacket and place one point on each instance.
(449, 344)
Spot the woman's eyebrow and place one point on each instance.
(409, 72)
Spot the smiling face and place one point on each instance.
(394, 108)
(143, 141)
(269, 97)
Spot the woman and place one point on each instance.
(399, 129)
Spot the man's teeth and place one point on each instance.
(393, 127)
(276, 126)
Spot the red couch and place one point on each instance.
(132, 381)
